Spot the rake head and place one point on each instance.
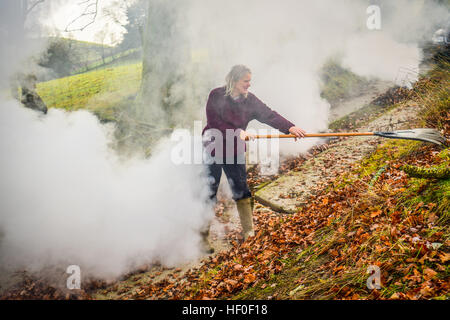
(426, 134)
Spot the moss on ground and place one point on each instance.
(340, 83)
(385, 153)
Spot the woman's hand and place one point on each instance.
(298, 132)
(244, 135)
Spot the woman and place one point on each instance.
(233, 107)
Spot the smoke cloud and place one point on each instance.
(67, 197)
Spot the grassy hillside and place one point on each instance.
(131, 56)
(102, 91)
(68, 56)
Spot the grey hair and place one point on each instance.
(236, 73)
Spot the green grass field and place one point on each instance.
(101, 91)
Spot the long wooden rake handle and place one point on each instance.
(313, 135)
(420, 134)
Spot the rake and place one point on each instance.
(423, 134)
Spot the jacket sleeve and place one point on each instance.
(266, 115)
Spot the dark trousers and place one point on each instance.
(237, 178)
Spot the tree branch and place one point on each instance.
(32, 6)
(90, 10)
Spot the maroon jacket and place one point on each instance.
(223, 112)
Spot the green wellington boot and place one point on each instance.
(244, 207)
(206, 246)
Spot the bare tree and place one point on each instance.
(28, 6)
(101, 36)
(164, 55)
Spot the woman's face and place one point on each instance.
(241, 87)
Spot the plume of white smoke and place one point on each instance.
(370, 56)
(66, 197)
